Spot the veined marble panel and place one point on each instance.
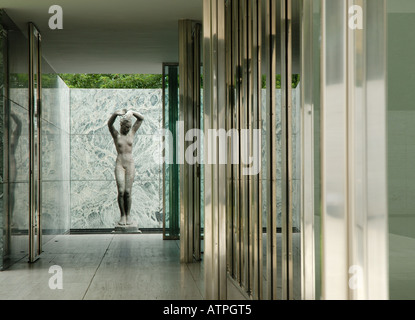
(19, 205)
(93, 157)
(91, 108)
(55, 206)
(94, 204)
(56, 105)
(55, 152)
(296, 138)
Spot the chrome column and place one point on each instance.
(256, 124)
(35, 98)
(354, 208)
(196, 124)
(186, 117)
(215, 173)
(307, 151)
(271, 147)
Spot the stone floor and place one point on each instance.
(108, 267)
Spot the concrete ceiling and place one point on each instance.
(107, 36)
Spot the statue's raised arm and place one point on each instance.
(139, 120)
(118, 113)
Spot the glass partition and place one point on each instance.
(171, 199)
(401, 148)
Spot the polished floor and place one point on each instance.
(108, 267)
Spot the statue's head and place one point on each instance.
(125, 124)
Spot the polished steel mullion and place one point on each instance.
(196, 121)
(186, 115)
(271, 148)
(285, 140)
(214, 125)
(236, 173)
(221, 184)
(34, 146)
(39, 144)
(182, 115)
(163, 146)
(356, 153)
(307, 151)
(256, 225)
(248, 126)
(376, 126)
(190, 112)
(31, 145)
(258, 124)
(229, 126)
(334, 150)
(353, 118)
(244, 209)
(210, 283)
(288, 256)
(214, 60)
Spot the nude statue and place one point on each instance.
(124, 166)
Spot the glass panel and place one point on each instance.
(401, 148)
(18, 149)
(171, 115)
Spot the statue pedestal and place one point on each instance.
(130, 228)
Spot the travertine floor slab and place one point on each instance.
(136, 266)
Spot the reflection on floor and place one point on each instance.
(112, 266)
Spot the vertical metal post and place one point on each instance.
(271, 148)
(35, 235)
(186, 117)
(376, 111)
(334, 149)
(255, 123)
(215, 173)
(307, 151)
(353, 119)
(196, 122)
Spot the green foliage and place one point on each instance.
(294, 84)
(113, 81)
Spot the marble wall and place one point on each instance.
(93, 154)
(296, 138)
(55, 158)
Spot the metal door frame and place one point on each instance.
(35, 190)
